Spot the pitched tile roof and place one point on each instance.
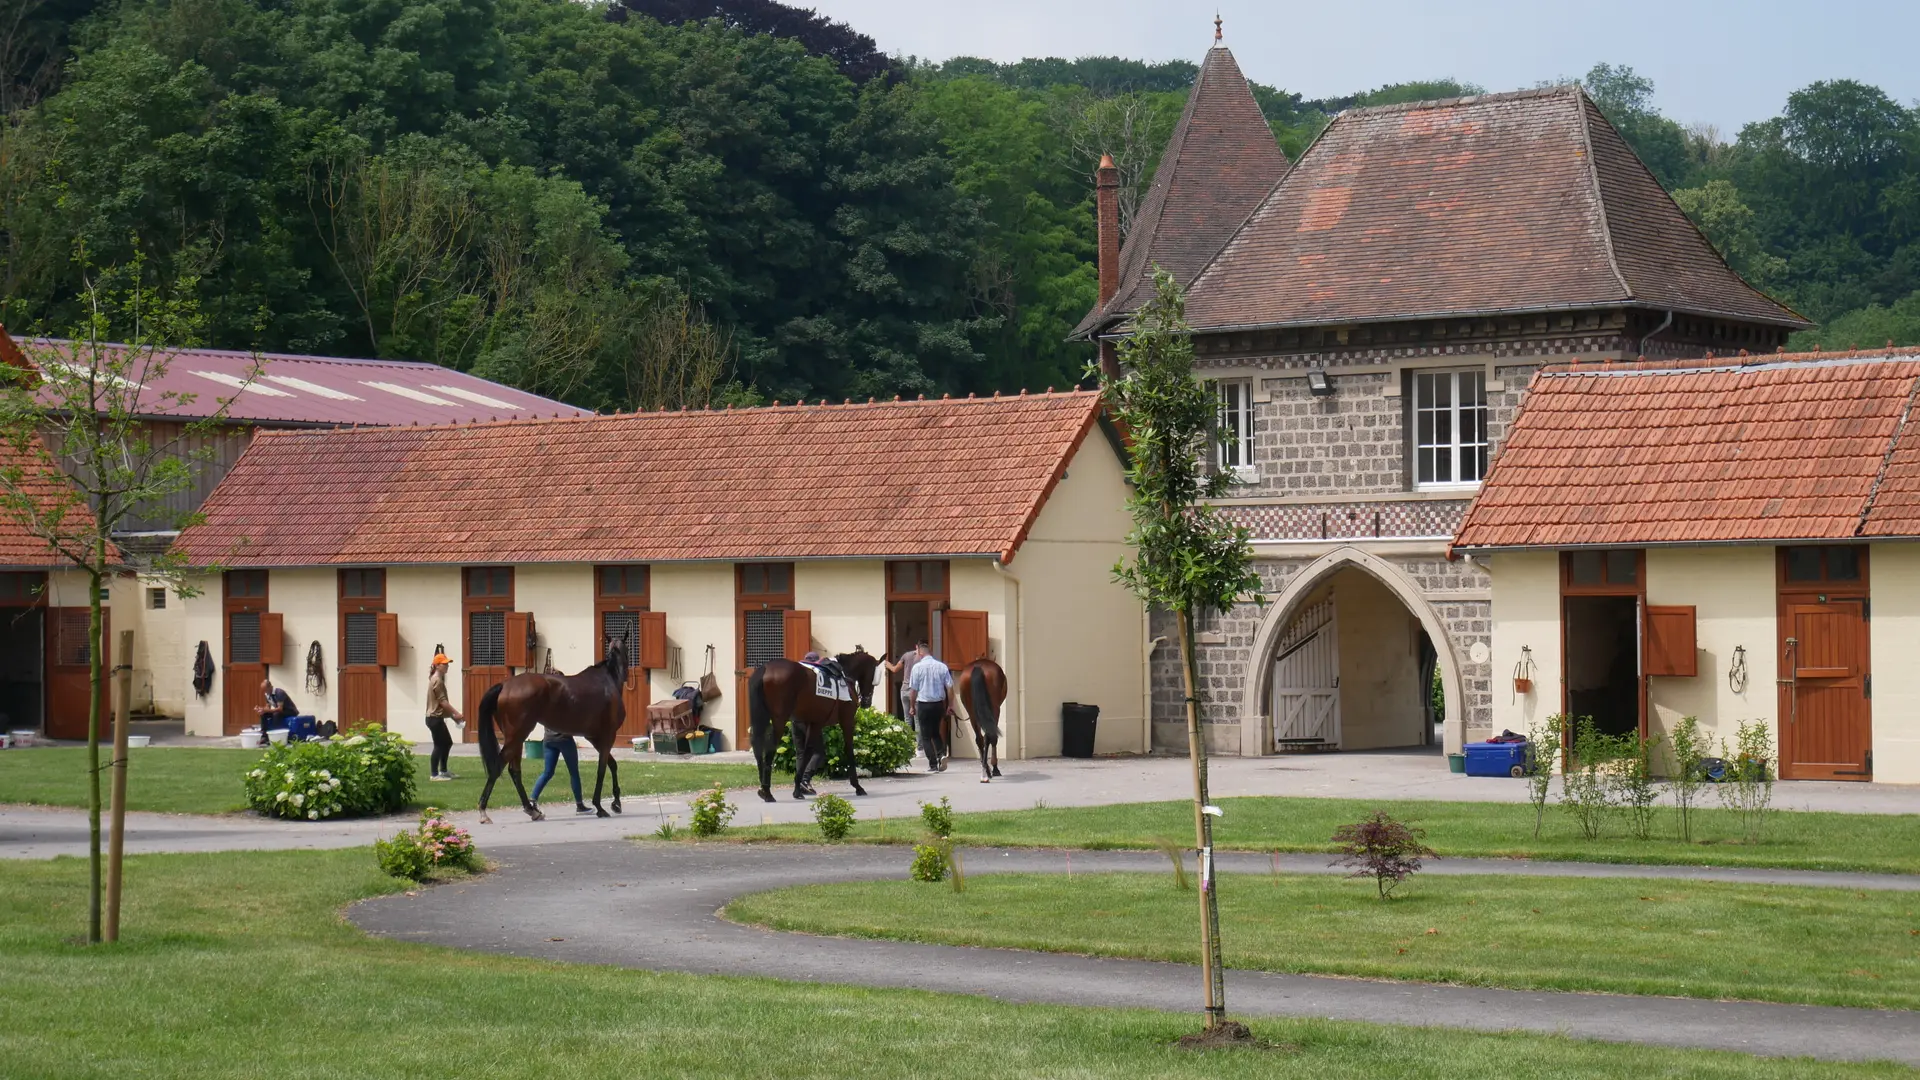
(1221, 161)
(1518, 202)
(906, 478)
(42, 481)
(312, 390)
(1816, 446)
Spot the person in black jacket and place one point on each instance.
(279, 708)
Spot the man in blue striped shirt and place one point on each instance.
(928, 684)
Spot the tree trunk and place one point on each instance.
(1210, 966)
(94, 675)
(117, 831)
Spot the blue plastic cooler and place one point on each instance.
(1496, 759)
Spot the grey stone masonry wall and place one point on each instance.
(1454, 590)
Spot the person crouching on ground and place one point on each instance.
(929, 683)
(439, 711)
(278, 710)
(561, 748)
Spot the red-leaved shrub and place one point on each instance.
(1381, 848)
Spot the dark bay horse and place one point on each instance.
(589, 704)
(781, 692)
(982, 687)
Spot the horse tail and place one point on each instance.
(982, 704)
(489, 738)
(757, 712)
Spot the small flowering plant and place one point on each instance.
(368, 772)
(436, 844)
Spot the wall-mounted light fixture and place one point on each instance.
(1317, 382)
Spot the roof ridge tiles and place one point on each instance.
(1555, 90)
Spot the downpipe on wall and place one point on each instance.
(1020, 650)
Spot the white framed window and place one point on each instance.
(157, 599)
(1449, 428)
(1233, 428)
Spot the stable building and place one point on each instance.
(707, 540)
(252, 392)
(1369, 326)
(1730, 539)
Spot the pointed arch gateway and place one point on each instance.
(1257, 738)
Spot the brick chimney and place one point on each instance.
(1107, 188)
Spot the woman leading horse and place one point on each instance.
(780, 692)
(589, 705)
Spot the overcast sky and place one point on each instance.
(1723, 62)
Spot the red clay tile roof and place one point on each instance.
(41, 480)
(948, 477)
(1221, 161)
(1802, 447)
(1502, 203)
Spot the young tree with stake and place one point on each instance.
(1188, 558)
(80, 461)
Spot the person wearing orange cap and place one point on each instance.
(439, 711)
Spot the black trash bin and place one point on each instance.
(1077, 722)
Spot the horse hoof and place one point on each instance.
(996, 770)
(766, 796)
(601, 813)
(986, 779)
(617, 810)
(536, 815)
(858, 790)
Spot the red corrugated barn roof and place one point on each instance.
(948, 477)
(1502, 203)
(1802, 447)
(319, 390)
(20, 549)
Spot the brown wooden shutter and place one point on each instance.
(1670, 646)
(519, 632)
(799, 633)
(963, 637)
(273, 642)
(653, 641)
(386, 649)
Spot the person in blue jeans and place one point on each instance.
(557, 747)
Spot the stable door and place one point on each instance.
(1827, 733)
(243, 649)
(369, 645)
(70, 672)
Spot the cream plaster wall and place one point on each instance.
(848, 602)
(1084, 634)
(1526, 614)
(162, 653)
(1732, 592)
(200, 619)
(308, 601)
(1380, 701)
(426, 603)
(698, 601)
(974, 585)
(1894, 571)
(560, 598)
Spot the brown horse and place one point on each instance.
(589, 704)
(781, 692)
(982, 687)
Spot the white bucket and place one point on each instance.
(641, 743)
(138, 740)
(21, 736)
(249, 737)
(277, 736)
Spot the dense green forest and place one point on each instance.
(669, 201)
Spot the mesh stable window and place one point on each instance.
(363, 637)
(487, 638)
(766, 636)
(243, 637)
(624, 625)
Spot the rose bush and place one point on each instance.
(367, 772)
(436, 843)
(883, 745)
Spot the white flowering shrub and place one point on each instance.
(884, 745)
(367, 772)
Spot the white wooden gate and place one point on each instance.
(1306, 681)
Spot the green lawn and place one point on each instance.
(1814, 841)
(191, 780)
(1636, 936)
(237, 966)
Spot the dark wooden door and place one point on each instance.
(488, 598)
(1828, 728)
(363, 667)
(69, 672)
(244, 662)
(620, 598)
(763, 595)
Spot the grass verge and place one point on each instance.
(1633, 936)
(1887, 843)
(192, 780)
(237, 965)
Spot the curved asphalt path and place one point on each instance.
(656, 906)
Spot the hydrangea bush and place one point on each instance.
(367, 772)
(883, 743)
(437, 843)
